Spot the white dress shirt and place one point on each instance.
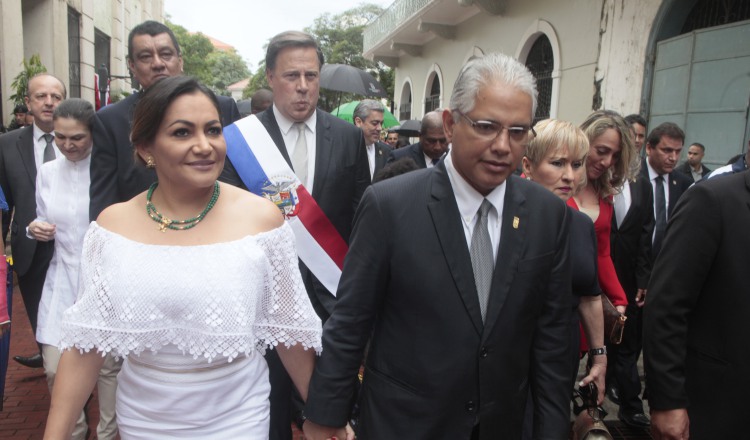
(62, 199)
(469, 200)
(290, 140)
(623, 200)
(371, 159)
(40, 144)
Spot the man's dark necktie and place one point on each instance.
(482, 260)
(49, 151)
(661, 215)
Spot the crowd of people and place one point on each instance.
(219, 276)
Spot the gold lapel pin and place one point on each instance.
(515, 222)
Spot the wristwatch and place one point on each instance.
(598, 351)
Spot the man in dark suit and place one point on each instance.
(368, 115)
(153, 54)
(697, 355)
(632, 232)
(663, 147)
(432, 143)
(693, 166)
(329, 157)
(22, 152)
(456, 340)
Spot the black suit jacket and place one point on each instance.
(433, 368)
(697, 355)
(631, 242)
(342, 174)
(687, 170)
(414, 151)
(114, 175)
(18, 180)
(382, 151)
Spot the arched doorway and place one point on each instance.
(404, 108)
(541, 62)
(432, 100)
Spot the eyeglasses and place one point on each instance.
(489, 131)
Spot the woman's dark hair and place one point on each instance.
(151, 107)
(78, 109)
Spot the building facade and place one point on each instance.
(685, 61)
(73, 38)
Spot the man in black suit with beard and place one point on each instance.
(153, 54)
(466, 301)
(329, 157)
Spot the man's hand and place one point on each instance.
(313, 431)
(596, 374)
(640, 297)
(672, 424)
(42, 231)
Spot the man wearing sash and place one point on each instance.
(328, 158)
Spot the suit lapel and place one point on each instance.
(675, 191)
(447, 222)
(512, 234)
(416, 151)
(381, 155)
(636, 200)
(272, 127)
(323, 152)
(25, 145)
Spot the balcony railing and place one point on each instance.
(391, 19)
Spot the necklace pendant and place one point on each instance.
(164, 224)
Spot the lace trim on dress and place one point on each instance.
(210, 301)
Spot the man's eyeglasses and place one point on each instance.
(489, 131)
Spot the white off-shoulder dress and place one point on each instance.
(192, 323)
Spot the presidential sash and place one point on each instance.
(264, 172)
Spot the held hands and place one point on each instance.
(313, 431)
(42, 231)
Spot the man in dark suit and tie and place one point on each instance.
(22, 153)
(432, 143)
(632, 232)
(328, 156)
(696, 353)
(368, 115)
(466, 301)
(153, 54)
(663, 147)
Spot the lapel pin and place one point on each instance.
(515, 222)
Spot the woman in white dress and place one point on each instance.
(62, 214)
(190, 304)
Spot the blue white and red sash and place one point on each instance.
(264, 172)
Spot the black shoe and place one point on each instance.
(34, 361)
(636, 420)
(613, 395)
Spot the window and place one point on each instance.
(74, 53)
(404, 109)
(432, 102)
(540, 62)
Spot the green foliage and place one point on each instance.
(226, 69)
(20, 83)
(257, 82)
(195, 49)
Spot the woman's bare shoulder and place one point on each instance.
(120, 217)
(259, 213)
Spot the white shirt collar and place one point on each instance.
(652, 174)
(467, 198)
(286, 124)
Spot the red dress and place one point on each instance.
(606, 269)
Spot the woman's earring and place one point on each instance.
(150, 162)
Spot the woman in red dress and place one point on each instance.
(612, 159)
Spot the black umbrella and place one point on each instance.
(410, 127)
(345, 78)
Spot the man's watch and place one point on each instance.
(598, 351)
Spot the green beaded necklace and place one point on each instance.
(177, 225)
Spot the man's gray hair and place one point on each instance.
(491, 68)
(367, 106)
